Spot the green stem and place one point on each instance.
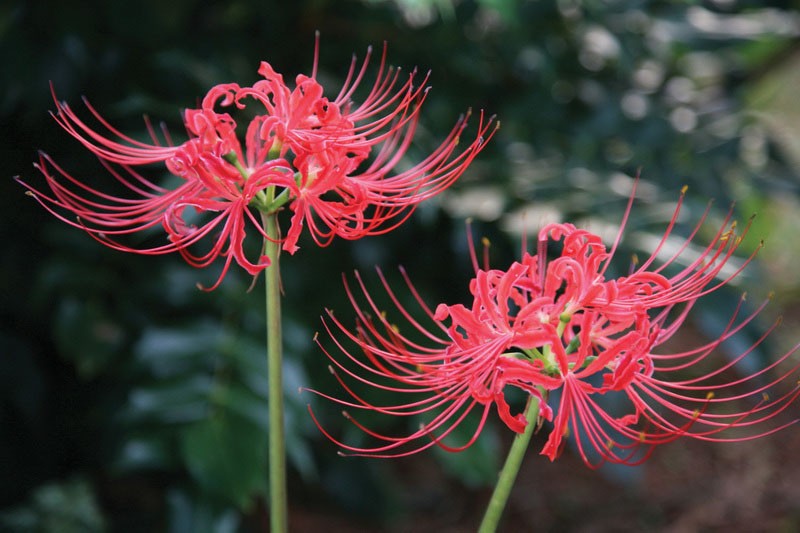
(510, 469)
(277, 444)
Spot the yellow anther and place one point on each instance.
(684, 189)
(709, 395)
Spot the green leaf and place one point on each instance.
(88, 336)
(181, 401)
(178, 351)
(227, 455)
(142, 453)
(477, 466)
(196, 514)
(57, 508)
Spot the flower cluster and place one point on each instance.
(328, 160)
(562, 328)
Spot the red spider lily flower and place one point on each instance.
(330, 140)
(330, 161)
(561, 326)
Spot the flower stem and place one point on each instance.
(277, 445)
(510, 469)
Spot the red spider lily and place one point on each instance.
(301, 150)
(561, 326)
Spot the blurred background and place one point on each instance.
(131, 401)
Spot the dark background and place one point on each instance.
(131, 401)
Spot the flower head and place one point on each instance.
(330, 161)
(562, 327)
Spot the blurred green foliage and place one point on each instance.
(115, 368)
(68, 507)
